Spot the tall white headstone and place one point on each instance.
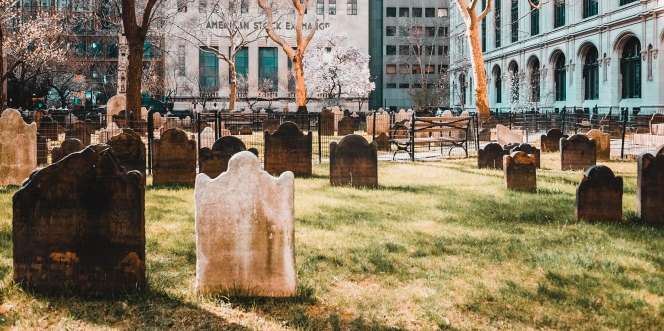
(18, 148)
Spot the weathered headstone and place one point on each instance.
(326, 122)
(491, 157)
(214, 160)
(79, 226)
(70, 145)
(577, 153)
(550, 142)
(244, 231)
(650, 187)
(506, 136)
(346, 126)
(271, 124)
(129, 150)
(246, 131)
(79, 131)
(288, 149)
(528, 149)
(599, 196)
(174, 159)
(520, 170)
(353, 161)
(602, 144)
(383, 142)
(403, 115)
(18, 148)
(382, 123)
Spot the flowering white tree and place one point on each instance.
(336, 69)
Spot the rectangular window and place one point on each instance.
(534, 20)
(443, 50)
(559, 13)
(404, 50)
(244, 6)
(404, 12)
(390, 50)
(430, 50)
(417, 12)
(391, 12)
(208, 70)
(351, 7)
(443, 31)
(497, 22)
(242, 62)
(182, 60)
(268, 66)
(391, 85)
(624, 2)
(483, 28)
(320, 7)
(404, 85)
(404, 69)
(332, 7)
(430, 69)
(442, 12)
(391, 69)
(430, 31)
(515, 21)
(416, 69)
(182, 6)
(590, 8)
(442, 69)
(202, 6)
(430, 12)
(404, 31)
(390, 31)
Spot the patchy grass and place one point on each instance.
(441, 245)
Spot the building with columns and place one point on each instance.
(583, 53)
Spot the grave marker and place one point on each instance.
(550, 142)
(18, 148)
(520, 170)
(174, 159)
(577, 153)
(650, 187)
(599, 196)
(354, 162)
(288, 149)
(491, 157)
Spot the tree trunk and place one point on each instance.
(479, 74)
(134, 76)
(232, 96)
(300, 86)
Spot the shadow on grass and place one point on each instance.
(169, 187)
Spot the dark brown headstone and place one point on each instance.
(214, 160)
(79, 225)
(288, 149)
(327, 122)
(346, 126)
(383, 142)
(520, 170)
(70, 145)
(528, 148)
(129, 149)
(174, 159)
(80, 131)
(353, 161)
(577, 153)
(491, 157)
(599, 196)
(246, 131)
(551, 141)
(271, 124)
(650, 187)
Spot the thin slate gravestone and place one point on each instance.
(18, 148)
(550, 142)
(529, 149)
(520, 170)
(577, 153)
(599, 196)
(650, 187)
(129, 149)
(214, 161)
(288, 149)
(79, 225)
(353, 161)
(327, 122)
(602, 144)
(244, 231)
(346, 126)
(174, 159)
(70, 145)
(491, 157)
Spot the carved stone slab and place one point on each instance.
(528, 148)
(79, 225)
(346, 126)
(174, 159)
(491, 157)
(577, 153)
(327, 122)
(244, 231)
(520, 170)
(599, 196)
(650, 187)
(129, 149)
(602, 144)
(506, 136)
(550, 142)
(70, 145)
(214, 161)
(288, 149)
(353, 161)
(18, 148)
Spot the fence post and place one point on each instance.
(150, 138)
(320, 147)
(625, 114)
(373, 132)
(217, 125)
(563, 119)
(412, 136)
(477, 131)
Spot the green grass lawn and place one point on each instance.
(441, 245)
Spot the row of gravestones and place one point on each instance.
(599, 195)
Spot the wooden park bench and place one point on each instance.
(453, 132)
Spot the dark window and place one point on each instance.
(430, 12)
(320, 7)
(483, 28)
(590, 8)
(535, 80)
(404, 85)
(443, 31)
(591, 75)
(559, 13)
(404, 50)
(430, 31)
(391, 85)
(404, 12)
(390, 31)
(498, 85)
(242, 62)
(332, 7)
(560, 78)
(624, 2)
(268, 69)
(391, 12)
(417, 12)
(534, 20)
(390, 50)
(497, 22)
(514, 80)
(351, 7)
(208, 70)
(630, 68)
(515, 21)
(462, 88)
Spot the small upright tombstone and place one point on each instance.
(327, 122)
(602, 144)
(491, 157)
(507, 136)
(550, 142)
(346, 126)
(129, 149)
(381, 121)
(288, 149)
(80, 131)
(207, 137)
(214, 160)
(354, 162)
(70, 145)
(520, 171)
(650, 187)
(18, 148)
(79, 225)
(577, 153)
(244, 231)
(383, 142)
(529, 149)
(174, 159)
(599, 196)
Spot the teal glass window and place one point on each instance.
(515, 21)
(560, 78)
(630, 69)
(591, 75)
(268, 67)
(208, 70)
(498, 85)
(497, 22)
(534, 20)
(242, 62)
(590, 8)
(559, 13)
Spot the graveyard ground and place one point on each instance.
(440, 245)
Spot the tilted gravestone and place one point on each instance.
(326, 122)
(520, 170)
(550, 142)
(650, 187)
(129, 149)
(346, 126)
(271, 124)
(244, 231)
(528, 148)
(353, 161)
(174, 159)
(383, 142)
(70, 145)
(79, 131)
(602, 144)
(599, 196)
(18, 148)
(577, 153)
(79, 225)
(214, 160)
(491, 157)
(288, 149)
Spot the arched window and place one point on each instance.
(534, 19)
(630, 68)
(515, 86)
(462, 89)
(590, 8)
(559, 77)
(498, 84)
(591, 75)
(534, 67)
(558, 13)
